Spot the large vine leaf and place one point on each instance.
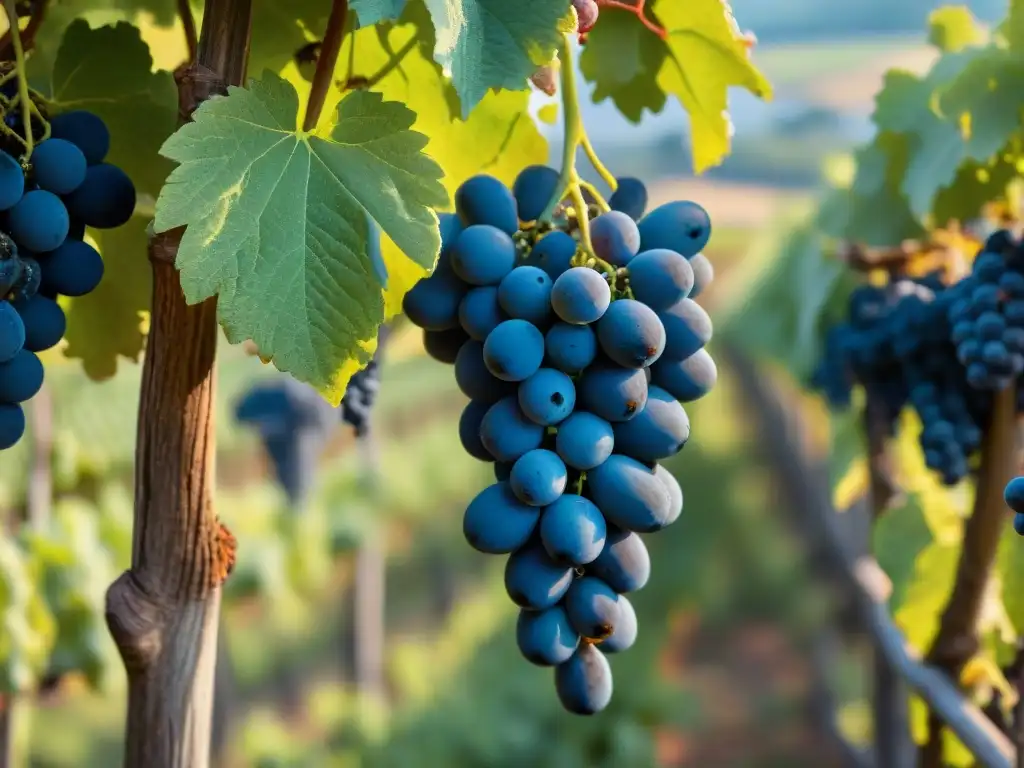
(700, 59)
(621, 58)
(108, 71)
(370, 12)
(952, 28)
(706, 58)
(494, 44)
(498, 137)
(280, 222)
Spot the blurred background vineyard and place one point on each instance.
(721, 674)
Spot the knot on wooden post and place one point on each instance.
(136, 622)
(163, 247)
(224, 555)
(196, 84)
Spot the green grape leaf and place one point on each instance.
(1010, 566)
(110, 322)
(621, 58)
(108, 71)
(953, 28)
(281, 223)
(706, 58)
(370, 12)
(899, 537)
(1012, 28)
(494, 44)
(497, 138)
(926, 594)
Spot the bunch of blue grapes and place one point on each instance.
(897, 345)
(577, 369)
(988, 319)
(45, 206)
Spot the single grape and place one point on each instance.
(433, 303)
(1014, 494)
(21, 377)
(660, 278)
(507, 433)
(580, 296)
(533, 580)
(483, 200)
(624, 564)
(687, 380)
(660, 430)
(675, 493)
(630, 495)
(547, 397)
(538, 478)
(85, 130)
(1018, 523)
(514, 350)
(469, 430)
(483, 255)
(989, 267)
(525, 294)
(631, 334)
(533, 189)
(584, 441)
(58, 166)
(587, 12)
(10, 275)
(572, 530)
(687, 329)
(12, 425)
(479, 312)
(39, 221)
(451, 227)
(1012, 284)
(681, 226)
(703, 274)
(584, 682)
(553, 253)
(12, 181)
(12, 332)
(593, 608)
(444, 346)
(570, 348)
(44, 322)
(546, 638)
(624, 635)
(630, 197)
(613, 393)
(105, 200)
(73, 269)
(615, 238)
(474, 379)
(496, 522)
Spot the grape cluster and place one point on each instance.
(45, 207)
(897, 344)
(576, 369)
(362, 389)
(988, 319)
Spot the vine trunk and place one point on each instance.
(163, 611)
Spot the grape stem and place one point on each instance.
(586, 186)
(569, 182)
(606, 176)
(393, 62)
(19, 63)
(188, 23)
(325, 63)
(637, 9)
